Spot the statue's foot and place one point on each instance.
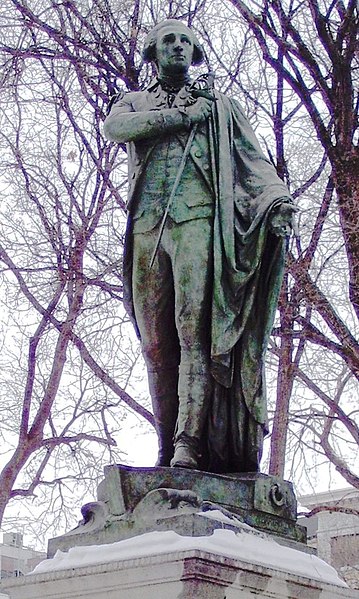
(184, 457)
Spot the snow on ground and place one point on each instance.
(245, 547)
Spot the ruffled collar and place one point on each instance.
(171, 86)
(163, 95)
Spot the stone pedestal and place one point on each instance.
(132, 501)
(166, 565)
(180, 534)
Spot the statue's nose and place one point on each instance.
(178, 44)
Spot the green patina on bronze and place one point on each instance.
(205, 308)
(133, 501)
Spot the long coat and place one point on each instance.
(248, 268)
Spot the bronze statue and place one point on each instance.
(201, 283)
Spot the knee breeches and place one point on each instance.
(172, 299)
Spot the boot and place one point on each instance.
(165, 410)
(195, 387)
(163, 388)
(186, 454)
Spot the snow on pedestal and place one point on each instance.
(225, 565)
(246, 548)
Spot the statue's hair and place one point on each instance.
(149, 48)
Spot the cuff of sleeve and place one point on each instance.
(185, 118)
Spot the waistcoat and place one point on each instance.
(193, 198)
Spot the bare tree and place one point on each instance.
(311, 49)
(72, 359)
(62, 223)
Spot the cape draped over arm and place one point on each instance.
(248, 271)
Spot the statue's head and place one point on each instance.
(172, 46)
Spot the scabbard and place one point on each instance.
(185, 155)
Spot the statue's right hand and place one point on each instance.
(199, 111)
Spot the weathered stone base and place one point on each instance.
(182, 575)
(133, 501)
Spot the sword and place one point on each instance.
(199, 91)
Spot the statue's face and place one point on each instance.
(174, 49)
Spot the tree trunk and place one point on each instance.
(346, 178)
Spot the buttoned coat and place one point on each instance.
(248, 268)
(187, 205)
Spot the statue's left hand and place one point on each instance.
(281, 219)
